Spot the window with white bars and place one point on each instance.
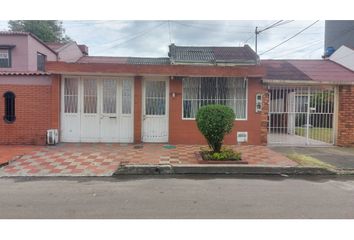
(155, 98)
(109, 88)
(200, 91)
(71, 90)
(127, 97)
(90, 96)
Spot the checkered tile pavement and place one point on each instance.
(103, 159)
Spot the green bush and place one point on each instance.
(214, 122)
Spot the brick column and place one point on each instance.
(55, 102)
(345, 133)
(137, 108)
(264, 117)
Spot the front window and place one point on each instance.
(41, 62)
(9, 116)
(5, 58)
(200, 91)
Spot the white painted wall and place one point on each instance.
(344, 56)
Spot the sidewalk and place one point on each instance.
(104, 159)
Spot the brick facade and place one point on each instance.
(186, 131)
(36, 109)
(345, 133)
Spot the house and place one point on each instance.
(143, 100)
(27, 90)
(117, 99)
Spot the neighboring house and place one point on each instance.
(27, 90)
(344, 56)
(68, 52)
(134, 100)
(311, 102)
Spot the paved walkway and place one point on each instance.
(13, 152)
(103, 159)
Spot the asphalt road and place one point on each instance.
(179, 197)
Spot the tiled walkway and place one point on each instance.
(13, 152)
(104, 159)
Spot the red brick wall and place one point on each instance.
(345, 134)
(186, 131)
(37, 110)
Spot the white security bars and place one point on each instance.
(155, 98)
(200, 91)
(71, 95)
(301, 115)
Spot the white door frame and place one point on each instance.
(167, 105)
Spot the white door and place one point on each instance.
(97, 110)
(70, 121)
(155, 110)
(90, 117)
(109, 119)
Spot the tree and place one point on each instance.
(46, 30)
(214, 122)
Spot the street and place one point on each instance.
(177, 197)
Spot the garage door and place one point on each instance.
(97, 110)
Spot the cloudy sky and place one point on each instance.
(151, 38)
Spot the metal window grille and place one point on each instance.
(109, 96)
(200, 91)
(9, 116)
(90, 96)
(71, 90)
(127, 97)
(5, 61)
(155, 98)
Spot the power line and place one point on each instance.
(300, 48)
(207, 28)
(137, 36)
(276, 24)
(298, 33)
(269, 27)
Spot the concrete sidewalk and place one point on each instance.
(340, 157)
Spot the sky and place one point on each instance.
(151, 38)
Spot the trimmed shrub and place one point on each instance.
(214, 122)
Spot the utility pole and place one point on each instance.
(256, 32)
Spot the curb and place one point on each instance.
(219, 169)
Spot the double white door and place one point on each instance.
(97, 110)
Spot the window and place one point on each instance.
(90, 96)
(200, 91)
(109, 88)
(71, 90)
(41, 62)
(9, 107)
(155, 98)
(127, 97)
(5, 58)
